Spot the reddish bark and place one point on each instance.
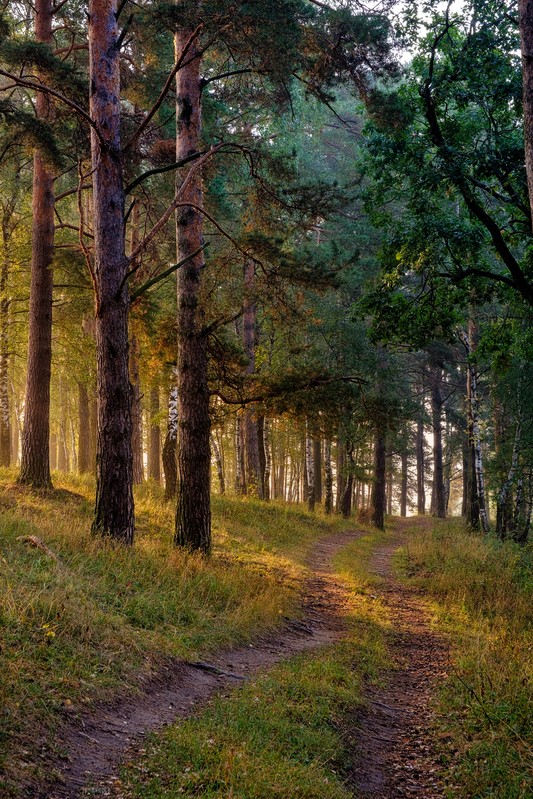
(114, 514)
(193, 455)
(35, 459)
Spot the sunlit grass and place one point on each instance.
(289, 734)
(76, 630)
(483, 591)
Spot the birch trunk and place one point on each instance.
(473, 402)
(219, 464)
(169, 447)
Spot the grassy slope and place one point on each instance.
(78, 631)
(287, 734)
(483, 598)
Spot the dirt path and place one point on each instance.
(95, 744)
(397, 759)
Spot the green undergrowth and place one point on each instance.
(483, 593)
(77, 628)
(288, 734)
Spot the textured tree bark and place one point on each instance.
(525, 11)
(420, 467)
(317, 457)
(310, 469)
(63, 462)
(252, 438)
(240, 478)
(267, 451)
(328, 477)
(84, 433)
(341, 473)
(379, 488)
(154, 454)
(403, 490)
(136, 411)
(5, 416)
(389, 487)
(219, 464)
(169, 447)
(468, 339)
(35, 459)
(346, 500)
(504, 495)
(438, 500)
(193, 456)
(114, 510)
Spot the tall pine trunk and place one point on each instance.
(525, 12)
(438, 499)
(114, 511)
(403, 489)
(310, 469)
(420, 465)
(379, 487)
(136, 411)
(5, 416)
(193, 456)
(328, 477)
(35, 460)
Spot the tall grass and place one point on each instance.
(76, 630)
(484, 591)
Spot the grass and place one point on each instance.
(482, 590)
(285, 735)
(76, 631)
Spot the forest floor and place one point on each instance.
(390, 734)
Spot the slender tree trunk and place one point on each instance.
(84, 433)
(219, 464)
(35, 461)
(240, 478)
(169, 447)
(438, 501)
(525, 10)
(136, 411)
(5, 417)
(389, 486)
(403, 490)
(341, 473)
(114, 510)
(379, 488)
(193, 456)
(420, 467)
(154, 460)
(328, 477)
(502, 502)
(317, 458)
(473, 403)
(250, 418)
(267, 446)
(310, 469)
(346, 501)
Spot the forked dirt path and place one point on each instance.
(95, 745)
(397, 756)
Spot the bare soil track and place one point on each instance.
(394, 756)
(95, 745)
(397, 753)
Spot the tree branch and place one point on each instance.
(149, 283)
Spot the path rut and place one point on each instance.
(397, 756)
(95, 745)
